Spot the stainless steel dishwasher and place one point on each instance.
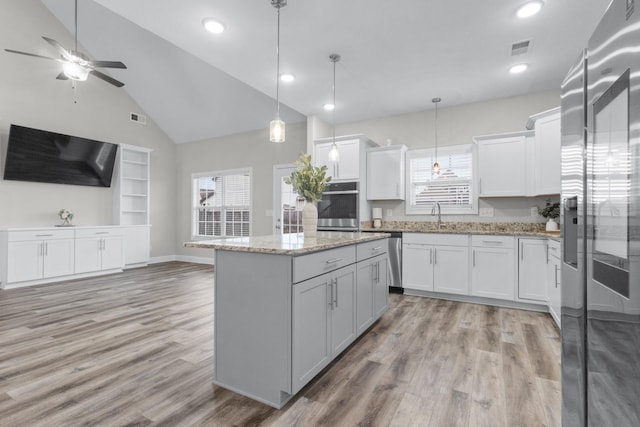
(395, 263)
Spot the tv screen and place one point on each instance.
(40, 156)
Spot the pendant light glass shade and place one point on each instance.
(276, 131)
(436, 166)
(334, 154)
(277, 126)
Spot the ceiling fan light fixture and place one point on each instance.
(529, 9)
(75, 71)
(329, 106)
(213, 25)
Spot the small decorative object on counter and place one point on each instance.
(377, 217)
(309, 183)
(66, 216)
(551, 211)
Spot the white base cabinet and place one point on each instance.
(42, 255)
(492, 267)
(436, 262)
(554, 280)
(532, 269)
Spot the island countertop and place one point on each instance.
(287, 244)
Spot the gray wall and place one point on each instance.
(31, 96)
(251, 149)
(458, 125)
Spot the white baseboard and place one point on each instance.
(166, 258)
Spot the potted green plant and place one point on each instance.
(309, 183)
(551, 211)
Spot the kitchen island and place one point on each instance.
(286, 306)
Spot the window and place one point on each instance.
(222, 203)
(453, 188)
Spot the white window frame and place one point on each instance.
(195, 207)
(445, 209)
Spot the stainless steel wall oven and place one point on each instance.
(339, 208)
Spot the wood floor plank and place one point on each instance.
(136, 348)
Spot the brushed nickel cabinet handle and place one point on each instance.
(333, 261)
(336, 292)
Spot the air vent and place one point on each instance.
(138, 118)
(521, 47)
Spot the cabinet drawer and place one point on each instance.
(554, 248)
(23, 236)
(490, 241)
(315, 264)
(99, 232)
(436, 239)
(371, 249)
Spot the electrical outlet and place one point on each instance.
(389, 213)
(534, 211)
(486, 212)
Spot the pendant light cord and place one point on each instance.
(277, 68)
(334, 58)
(436, 127)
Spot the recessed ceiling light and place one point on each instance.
(287, 78)
(329, 106)
(213, 25)
(518, 68)
(529, 9)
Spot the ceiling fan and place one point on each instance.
(76, 65)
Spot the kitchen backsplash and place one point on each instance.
(505, 210)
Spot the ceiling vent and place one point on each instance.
(138, 118)
(521, 47)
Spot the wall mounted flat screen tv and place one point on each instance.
(40, 156)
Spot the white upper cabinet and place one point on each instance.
(351, 163)
(385, 172)
(546, 159)
(502, 164)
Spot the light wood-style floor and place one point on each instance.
(136, 349)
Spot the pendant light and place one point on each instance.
(277, 128)
(334, 155)
(436, 166)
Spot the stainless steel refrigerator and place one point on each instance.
(601, 226)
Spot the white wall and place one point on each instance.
(251, 149)
(458, 125)
(31, 96)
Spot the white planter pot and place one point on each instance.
(309, 220)
(552, 225)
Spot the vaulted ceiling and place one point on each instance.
(396, 55)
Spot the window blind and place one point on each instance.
(452, 188)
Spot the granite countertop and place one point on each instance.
(287, 244)
(493, 228)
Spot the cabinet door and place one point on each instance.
(311, 346)
(547, 155)
(136, 245)
(385, 175)
(502, 166)
(348, 165)
(381, 286)
(493, 273)
(532, 269)
(343, 314)
(24, 261)
(553, 288)
(88, 255)
(451, 269)
(321, 158)
(112, 253)
(364, 295)
(417, 266)
(58, 257)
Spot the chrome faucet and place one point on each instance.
(433, 212)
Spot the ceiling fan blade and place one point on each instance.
(62, 76)
(34, 55)
(106, 78)
(64, 52)
(108, 64)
